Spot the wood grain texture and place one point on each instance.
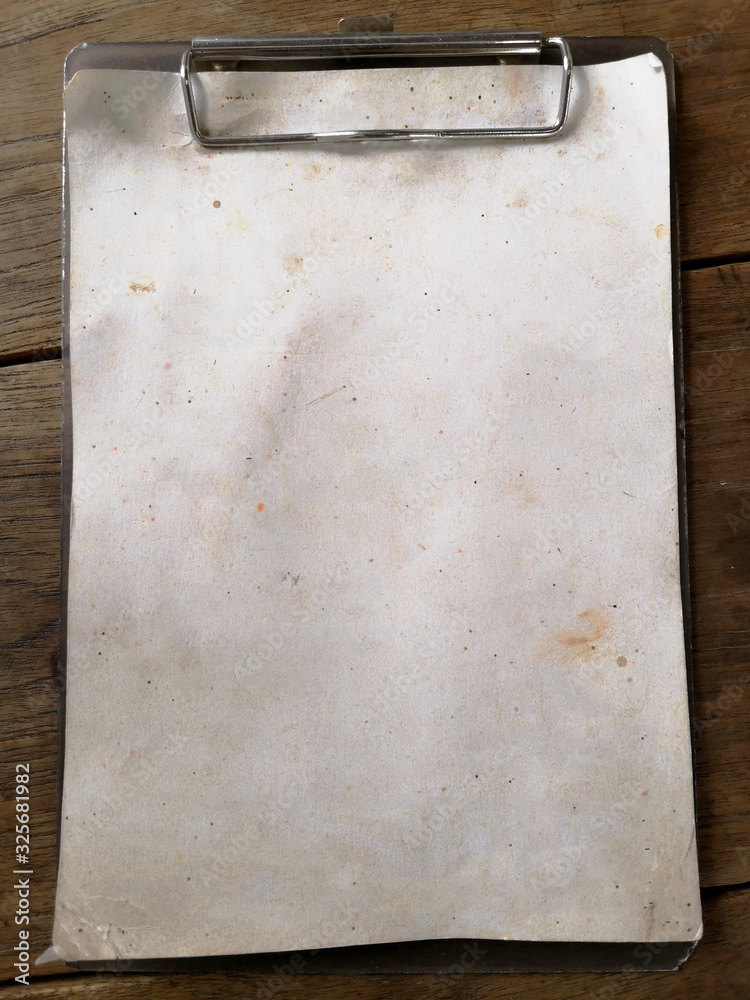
(29, 602)
(711, 42)
(719, 968)
(716, 306)
(29, 607)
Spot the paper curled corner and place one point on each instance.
(50, 955)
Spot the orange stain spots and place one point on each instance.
(261, 506)
(592, 627)
(645, 793)
(440, 432)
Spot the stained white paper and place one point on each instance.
(374, 623)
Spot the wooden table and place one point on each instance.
(711, 42)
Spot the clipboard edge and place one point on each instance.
(550, 956)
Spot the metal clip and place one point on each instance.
(380, 43)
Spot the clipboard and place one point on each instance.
(370, 46)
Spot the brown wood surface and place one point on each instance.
(711, 42)
(716, 311)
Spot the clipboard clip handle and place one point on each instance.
(377, 42)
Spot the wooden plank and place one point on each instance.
(713, 139)
(30, 257)
(29, 602)
(716, 308)
(719, 967)
(30, 421)
(711, 43)
(716, 316)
